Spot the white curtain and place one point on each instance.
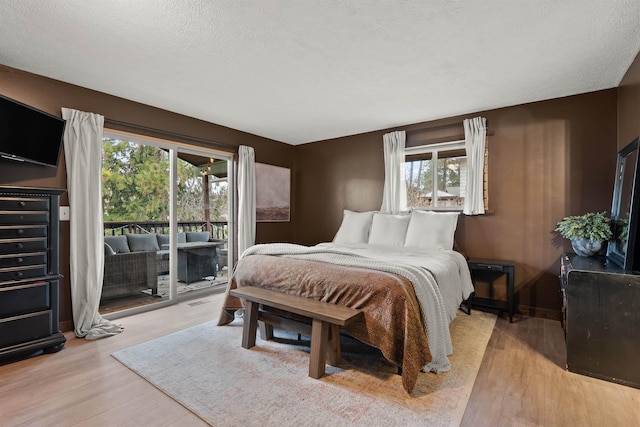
(475, 134)
(394, 194)
(83, 156)
(246, 198)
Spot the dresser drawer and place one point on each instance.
(21, 273)
(23, 259)
(18, 246)
(22, 231)
(23, 204)
(27, 327)
(27, 217)
(26, 298)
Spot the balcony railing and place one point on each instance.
(218, 229)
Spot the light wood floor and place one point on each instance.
(521, 381)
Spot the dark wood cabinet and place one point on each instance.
(601, 317)
(29, 271)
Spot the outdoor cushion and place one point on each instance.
(163, 239)
(108, 250)
(118, 244)
(143, 242)
(198, 236)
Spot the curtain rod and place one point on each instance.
(438, 127)
(452, 137)
(169, 136)
(430, 128)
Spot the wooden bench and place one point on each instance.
(326, 320)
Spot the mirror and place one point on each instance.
(622, 249)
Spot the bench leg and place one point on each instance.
(250, 324)
(334, 346)
(319, 345)
(266, 330)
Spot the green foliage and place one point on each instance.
(135, 186)
(135, 182)
(591, 226)
(623, 230)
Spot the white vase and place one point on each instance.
(585, 247)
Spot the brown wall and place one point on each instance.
(50, 95)
(546, 160)
(629, 105)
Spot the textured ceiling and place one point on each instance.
(305, 70)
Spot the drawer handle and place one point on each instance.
(490, 267)
(20, 231)
(19, 274)
(19, 245)
(20, 260)
(22, 204)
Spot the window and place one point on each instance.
(436, 176)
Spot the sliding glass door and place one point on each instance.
(167, 229)
(202, 214)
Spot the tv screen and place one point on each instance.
(28, 134)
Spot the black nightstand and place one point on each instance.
(506, 267)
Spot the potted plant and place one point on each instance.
(586, 232)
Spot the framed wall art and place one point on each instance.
(273, 193)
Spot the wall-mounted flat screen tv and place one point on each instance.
(28, 134)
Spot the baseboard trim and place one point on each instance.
(66, 326)
(544, 313)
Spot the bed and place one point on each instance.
(400, 270)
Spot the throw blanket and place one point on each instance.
(449, 268)
(253, 270)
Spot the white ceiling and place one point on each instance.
(299, 71)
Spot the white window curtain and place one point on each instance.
(246, 198)
(475, 134)
(394, 193)
(83, 157)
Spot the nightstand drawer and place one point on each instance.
(488, 267)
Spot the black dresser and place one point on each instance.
(601, 317)
(29, 271)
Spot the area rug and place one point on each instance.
(206, 370)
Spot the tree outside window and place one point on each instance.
(135, 186)
(436, 177)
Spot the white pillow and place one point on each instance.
(389, 230)
(431, 230)
(354, 228)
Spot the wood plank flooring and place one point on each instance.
(521, 381)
